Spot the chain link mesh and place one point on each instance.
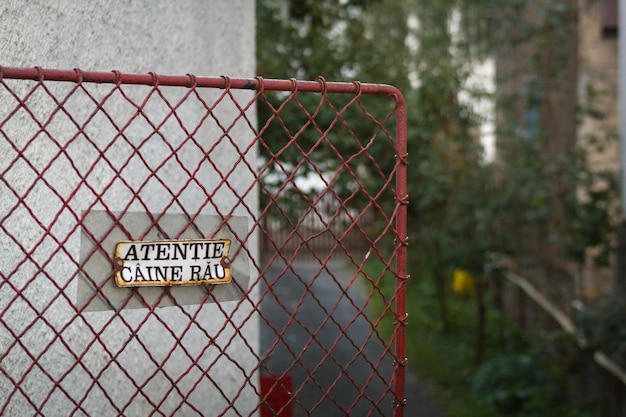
(306, 178)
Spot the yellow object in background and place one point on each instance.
(463, 282)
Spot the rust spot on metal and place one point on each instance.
(118, 264)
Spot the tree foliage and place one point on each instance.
(541, 197)
(542, 187)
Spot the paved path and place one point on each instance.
(307, 295)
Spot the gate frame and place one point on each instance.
(320, 85)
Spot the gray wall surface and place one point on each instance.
(202, 37)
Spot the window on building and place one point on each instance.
(609, 18)
(533, 96)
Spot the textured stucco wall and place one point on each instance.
(214, 37)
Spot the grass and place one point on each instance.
(441, 358)
(445, 358)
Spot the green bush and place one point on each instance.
(517, 383)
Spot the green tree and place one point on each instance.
(540, 198)
(461, 207)
(339, 41)
(411, 45)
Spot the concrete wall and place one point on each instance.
(64, 363)
(207, 37)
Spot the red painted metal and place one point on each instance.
(401, 257)
(277, 392)
(193, 81)
(360, 224)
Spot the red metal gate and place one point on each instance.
(305, 180)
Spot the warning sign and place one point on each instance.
(172, 262)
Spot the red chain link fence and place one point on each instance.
(292, 193)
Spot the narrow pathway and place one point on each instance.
(314, 348)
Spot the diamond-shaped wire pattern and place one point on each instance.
(307, 179)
